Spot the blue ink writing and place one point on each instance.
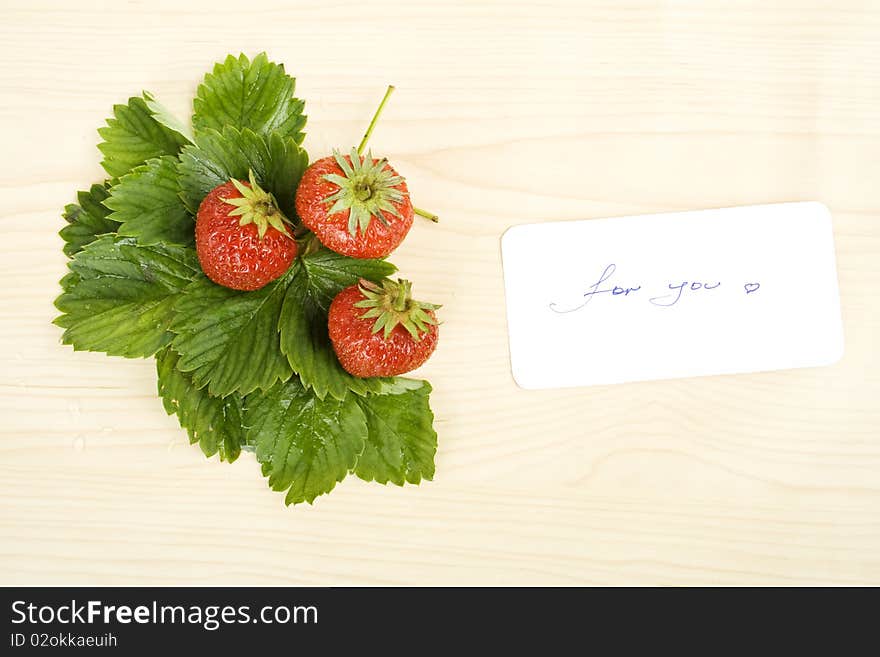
(658, 301)
(671, 299)
(593, 290)
(676, 291)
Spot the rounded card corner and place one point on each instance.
(519, 381)
(821, 208)
(510, 233)
(838, 355)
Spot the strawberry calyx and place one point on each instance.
(257, 206)
(367, 188)
(391, 304)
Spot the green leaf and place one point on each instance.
(257, 95)
(87, 220)
(164, 116)
(277, 162)
(228, 340)
(119, 297)
(147, 203)
(305, 444)
(401, 440)
(317, 279)
(212, 422)
(134, 136)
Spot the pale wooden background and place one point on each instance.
(505, 113)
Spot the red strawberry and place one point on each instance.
(241, 238)
(357, 205)
(380, 330)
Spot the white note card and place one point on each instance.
(672, 295)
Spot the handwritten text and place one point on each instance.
(670, 296)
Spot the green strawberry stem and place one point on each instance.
(308, 244)
(370, 127)
(404, 289)
(360, 149)
(427, 215)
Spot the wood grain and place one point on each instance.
(505, 113)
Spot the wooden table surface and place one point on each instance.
(505, 113)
